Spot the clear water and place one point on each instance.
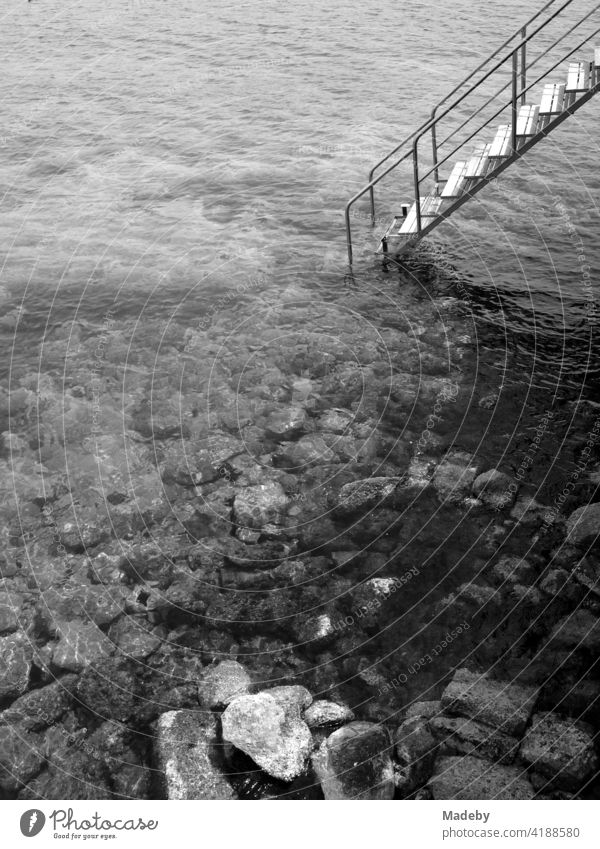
(187, 164)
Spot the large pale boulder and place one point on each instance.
(270, 730)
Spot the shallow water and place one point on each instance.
(172, 186)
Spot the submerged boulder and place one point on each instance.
(16, 654)
(219, 685)
(560, 750)
(363, 495)
(187, 756)
(256, 506)
(467, 778)
(583, 525)
(500, 704)
(271, 731)
(355, 763)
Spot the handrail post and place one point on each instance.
(523, 65)
(434, 150)
(417, 191)
(515, 65)
(348, 236)
(372, 198)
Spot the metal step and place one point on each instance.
(552, 103)
(528, 120)
(578, 80)
(502, 143)
(456, 181)
(429, 209)
(479, 162)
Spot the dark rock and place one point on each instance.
(9, 620)
(110, 689)
(467, 778)
(459, 736)
(454, 476)
(188, 754)
(527, 511)
(364, 495)
(8, 568)
(75, 770)
(41, 708)
(578, 630)
(415, 748)
(16, 653)
(255, 506)
(493, 489)
(325, 714)
(221, 684)
(113, 744)
(583, 525)
(425, 710)
(98, 604)
(514, 570)
(21, 757)
(286, 424)
(501, 704)
(134, 637)
(355, 763)
(291, 696)
(561, 750)
(315, 630)
(336, 421)
(274, 735)
(310, 450)
(587, 574)
(80, 535)
(79, 646)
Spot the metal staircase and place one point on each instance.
(470, 153)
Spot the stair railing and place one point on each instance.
(519, 88)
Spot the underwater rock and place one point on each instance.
(21, 757)
(493, 489)
(310, 450)
(583, 525)
(504, 705)
(364, 494)
(187, 755)
(416, 750)
(221, 684)
(577, 631)
(256, 506)
(454, 476)
(355, 763)
(273, 734)
(80, 645)
(286, 424)
(560, 750)
(325, 714)
(134, 637)
(41, 708)
(315, 630)
(461, 736)
(16, 654)
(467, 778)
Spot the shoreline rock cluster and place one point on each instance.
(482, 740)
(234, 503)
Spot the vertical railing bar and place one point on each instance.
(515, 65)
(523, 66)
(348, 236)
(434, 150)
(417, 188)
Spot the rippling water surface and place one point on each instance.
(183, 167)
